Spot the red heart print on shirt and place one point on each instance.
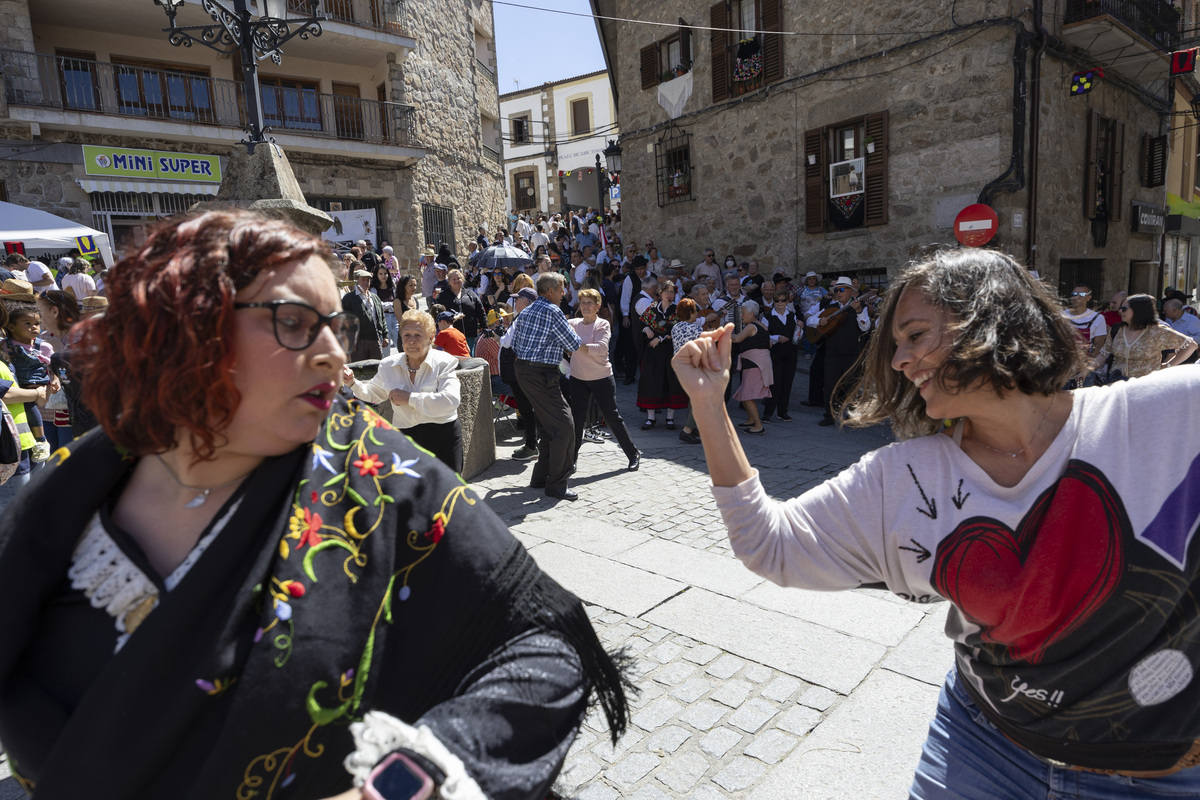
(1030, 588)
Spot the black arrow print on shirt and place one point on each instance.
(960, 498)
(931, 505)
(921, 552)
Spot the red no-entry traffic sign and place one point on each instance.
(976, 224)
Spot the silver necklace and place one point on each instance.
(1031, 441)
(202, 497)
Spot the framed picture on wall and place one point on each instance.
(846, 178)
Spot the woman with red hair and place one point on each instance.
(255, 587)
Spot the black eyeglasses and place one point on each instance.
(1080, 294)
(297, 325)
(841, 289)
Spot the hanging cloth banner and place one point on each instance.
(673, 95)
(1084, 82)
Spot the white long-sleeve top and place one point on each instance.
(434, 392)
(1075, 584)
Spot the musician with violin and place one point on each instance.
(841, 322)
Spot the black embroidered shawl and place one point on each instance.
(358, 574)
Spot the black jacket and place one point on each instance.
(469, 305)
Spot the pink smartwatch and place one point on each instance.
(398, 777)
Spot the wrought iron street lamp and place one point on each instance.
(253, 39)
(612, 158)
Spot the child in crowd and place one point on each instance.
(30, 360)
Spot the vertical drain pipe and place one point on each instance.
(1035, 107)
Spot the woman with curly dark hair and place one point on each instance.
(1071, 574)
(256, 588)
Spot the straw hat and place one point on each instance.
(16, 289)
(843, 281)
(676, 263)
(810, 274)
(429, 251)
(93, 303)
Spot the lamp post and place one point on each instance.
(612, 157)
(236, 31)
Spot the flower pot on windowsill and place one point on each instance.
(679, 72)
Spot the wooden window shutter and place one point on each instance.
(719, 18)
(1154, 160)
(650, 66)
(875, 198)
(772, 47)
(1091, 156)
(814, 180)
(1116, 168)
(685, 45)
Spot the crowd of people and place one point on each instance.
(997, 390)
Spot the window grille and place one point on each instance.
(439, 226)
(673, 167)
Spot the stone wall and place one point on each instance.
(439, 78)
(1063, 230)
(949, 103)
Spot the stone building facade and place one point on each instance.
(394, 108)
(552, 136)
(852, 147)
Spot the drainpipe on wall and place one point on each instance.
(1035, 105)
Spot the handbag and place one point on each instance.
(10, 445)
(57, 401)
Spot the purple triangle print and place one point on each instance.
(1172, 529)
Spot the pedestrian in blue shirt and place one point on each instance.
(540, 337)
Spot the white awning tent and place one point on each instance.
(42, 232)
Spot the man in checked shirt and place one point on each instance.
(540, 336)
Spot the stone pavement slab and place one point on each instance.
(926, 653)
(722, 574)
(800, 648)
(597, 538)
(603, 582)
(849, 612)
(868, 747)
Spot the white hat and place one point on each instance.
(810, 274)
(843, 281)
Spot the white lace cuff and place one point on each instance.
(380, 733)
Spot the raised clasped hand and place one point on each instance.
(702, 365)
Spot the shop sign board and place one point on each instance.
(123, 162)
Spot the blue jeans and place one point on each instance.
(393, 326)
(966, 758)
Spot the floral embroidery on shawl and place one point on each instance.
(311, 538)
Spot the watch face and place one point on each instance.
(398, 782)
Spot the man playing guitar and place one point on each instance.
(841, 341)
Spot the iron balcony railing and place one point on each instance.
(491, 154)
(380, 15)
(97, 87)
(486, 70)
(1156, 21)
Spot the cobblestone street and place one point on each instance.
(746, 689)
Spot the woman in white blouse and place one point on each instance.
(422, 384)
